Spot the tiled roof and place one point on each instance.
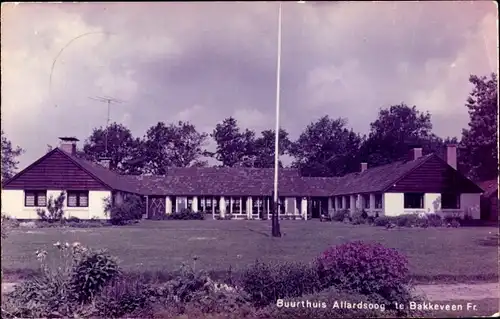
(490, 187)
(238, 181)
(108, 177)
(377, 179)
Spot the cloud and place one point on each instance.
(202, 62)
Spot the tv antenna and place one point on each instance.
(108, 100)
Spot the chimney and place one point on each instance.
(105, 162)
(68, 144)
(415, 153)
(451, 155)
(364, 167)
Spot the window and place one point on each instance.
(244, 204)
(258, 205)
(236, 204)
(190, 203)
(78, 199)
(450, 201)
(414, 200)
(366, 201)
(298, 203)
(347, 202)
(378, 201)
(205, 204)
(181, 203)
(35, 198)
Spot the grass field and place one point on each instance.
(435, 254)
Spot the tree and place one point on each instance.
(122, 148)
(396, 130)
(326, 148)
(234, 148)
(10, 154)
(478, 147)
(175, 145)
(264, 146)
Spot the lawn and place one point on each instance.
(435, 254)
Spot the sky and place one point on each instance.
(203, 62)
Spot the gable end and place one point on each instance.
(55, 170)
(434, 176)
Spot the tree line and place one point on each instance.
(326, 147)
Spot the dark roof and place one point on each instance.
(377, 179)
(230, 181)
(490, 187)
(239, 181)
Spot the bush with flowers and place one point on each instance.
(65, 285)
(366, 268)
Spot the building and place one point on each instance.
(489, 200)
(420, 184)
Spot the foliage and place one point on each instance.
(407, 220)
(340, 215)
(326, 148)
(62, 287)
(266, 282)
(123, 296)
(92, 271)
(360, 217)
(264, 147)
(397, 129)
(55, 209)
(370, 269)
(8, 223)
(234, 148)
(410, 220)
(478, 147)
(185, 214)
(434, 220)
(10, 153)
(173, 145)
(382, 221)
(122, 148)
(129, 209)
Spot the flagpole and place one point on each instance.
(275, 222)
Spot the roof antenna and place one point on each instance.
(108, 100)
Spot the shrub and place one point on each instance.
(186, 214)
(73, 219)
(195, 291)
(359, 217)
(61, 288)
(434, 220)
(407, 220)
(123, 296)
(382, 221)
(131, 208)
(8, 223)
(55, 209)
(266, 282)
(91, 272)
(340, 215)
(367, 269)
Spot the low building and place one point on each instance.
(420, 184)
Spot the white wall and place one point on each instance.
(432, 202)
(393, 204)
(13, 205)
(470, 204)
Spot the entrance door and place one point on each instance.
(318, 206)
(156, 206)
